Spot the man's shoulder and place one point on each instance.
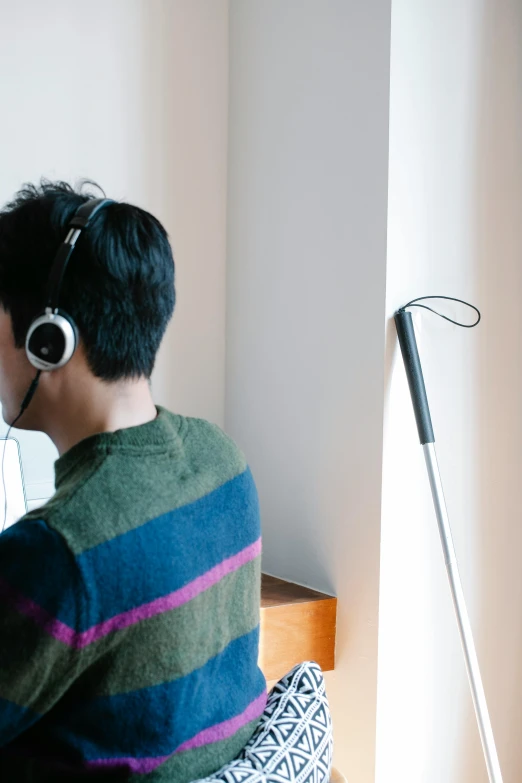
(30, 552)
(31, 532)
(207, 444)
(126, 489)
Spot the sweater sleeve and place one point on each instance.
(40, 590)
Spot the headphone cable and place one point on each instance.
(23, 407)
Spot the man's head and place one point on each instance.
(118, 287)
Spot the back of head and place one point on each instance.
(119, 284)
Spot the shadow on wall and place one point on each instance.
(184, 94)
(499, 426)
(160, 166)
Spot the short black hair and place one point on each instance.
(118, 287)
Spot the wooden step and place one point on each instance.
(297, 624)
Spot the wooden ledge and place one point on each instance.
(297, 624)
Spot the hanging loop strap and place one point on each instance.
(415, 303)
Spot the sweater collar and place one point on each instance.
(154, 436)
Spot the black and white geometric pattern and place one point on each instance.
(293, 742)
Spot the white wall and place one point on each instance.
(308, 176)
(133, 94)
(454, 227)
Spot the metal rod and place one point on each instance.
(466, 635)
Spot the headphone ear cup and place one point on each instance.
(51, 340)
(73, 326)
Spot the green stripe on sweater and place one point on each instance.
(160, 649)
(29, 659)
(137, 483)
(172, 645)
(200, 762)
(182, 768)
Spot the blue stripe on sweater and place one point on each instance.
(166, 553)
(125, 725)
(14, 720)
(35, 560)
(136, 567)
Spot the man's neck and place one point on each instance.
(99, 407)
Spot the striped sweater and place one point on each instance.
(129, 611)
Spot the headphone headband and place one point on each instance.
(81, 219)
(85, 213)
(52, 337)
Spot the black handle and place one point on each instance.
(410, 355)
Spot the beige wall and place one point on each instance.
(133, 94)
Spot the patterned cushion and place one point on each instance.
(293, 741)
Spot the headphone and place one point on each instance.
(52, 337)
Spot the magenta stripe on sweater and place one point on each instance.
(220, 731)
(38, 614)
(173, 600)
(229, 727)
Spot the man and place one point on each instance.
(129, 603)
